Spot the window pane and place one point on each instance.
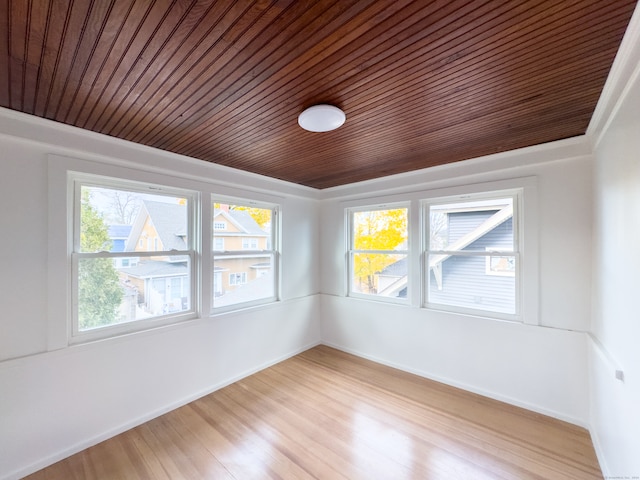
(118, 290)
(472, 226)
(240, 279)
(463, 281)
(123, 221)
(380, 229)
(238, 227)
(379, 274)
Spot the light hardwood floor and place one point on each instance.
(327, 414)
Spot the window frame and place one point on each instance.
(516, 194)
(77, 180)
(274, 252)
(351, 251)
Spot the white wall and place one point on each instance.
(541, 367)
(615, 405)
(55, 403)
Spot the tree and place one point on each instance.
(377, 230)
(262, 216)
(123, 206)
(99, 291)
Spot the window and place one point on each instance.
(378, 250)
(129, 287)
(249, 257)
(218, 243)
(249, 243)
(238, 278)
(219, 225)
(472, 254)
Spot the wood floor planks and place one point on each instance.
(328, 414)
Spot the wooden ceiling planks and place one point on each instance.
(423, 83)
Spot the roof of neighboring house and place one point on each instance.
(242, 219)
(170, 222)
(261, 287)
(485, 227)
(396, 269)
(154, 268)
(119, 231)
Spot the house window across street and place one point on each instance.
(472, 254)
(246, 269)
(132, 257)
(378, 250)
(238, 278)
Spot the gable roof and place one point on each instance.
(170, 222)
(485, 227)
(242, 220)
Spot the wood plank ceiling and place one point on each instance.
(422, 82)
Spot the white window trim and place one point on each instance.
(526, 212)
(349, 213)
(516, 195)
(234, 275)
(60, 247)
(495, 252)
(221, 240)
(529, 218)
(273, 252)
(60, 231)
(75, 181)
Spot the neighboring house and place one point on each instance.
(392, 281)
(162, 282)
(234, 233)
(119, 235)
(453, 277)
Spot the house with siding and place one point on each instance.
(162, 282)
(460, 280)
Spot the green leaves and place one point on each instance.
(99, 290)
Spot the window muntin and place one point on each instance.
(132, 257)
(472, 254)
(378, 252)
(245, 271)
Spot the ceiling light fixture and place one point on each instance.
(321, 118)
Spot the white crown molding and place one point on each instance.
(624, 71)
(433, 176)
(59, 138)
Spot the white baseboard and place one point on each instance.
(61, 455)
(469, 388)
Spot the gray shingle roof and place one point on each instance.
(396, 269)
(170, 221)
(244, 220)
(154, 268)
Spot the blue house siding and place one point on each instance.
(465, 282)
(118, 235)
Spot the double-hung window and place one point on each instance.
(133, 256)
(245, 271)
(472, 254)
(378, 252)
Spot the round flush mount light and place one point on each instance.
(321, 118)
